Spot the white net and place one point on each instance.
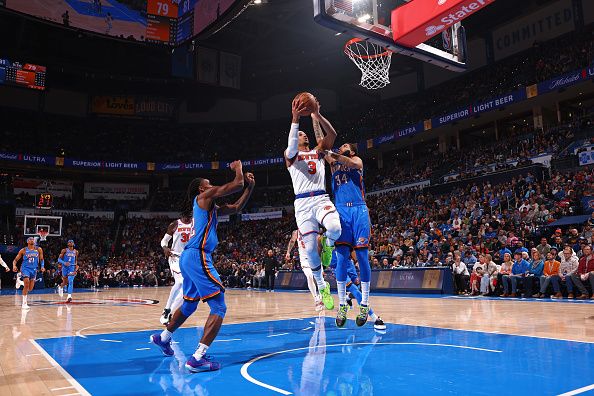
(373, 60)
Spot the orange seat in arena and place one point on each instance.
(419, 20)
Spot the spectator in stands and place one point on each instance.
(535, 271)
(461, 275)
(550, 272)
(490, 273)
(469, 259)
(585, 272)
(478, 270)
(569, 264)
(544, 247)
(505, 272)
(519, 271)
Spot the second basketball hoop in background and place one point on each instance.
(373, 60)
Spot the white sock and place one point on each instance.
(319, 277)
(341, 292)
(329, 242)
(201, 351)
(69, 295)
(374, 316)
(24, 299)
(166, 335)
(365, 293)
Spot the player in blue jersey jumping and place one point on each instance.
(349, 199)
(68, 260)
(201, 279)
(32, 256)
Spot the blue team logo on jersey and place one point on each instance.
(362, 241)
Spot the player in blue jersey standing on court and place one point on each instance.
(201, 279)
(32, 256)
(68, 260)
(349, 199)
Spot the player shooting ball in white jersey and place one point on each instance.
(313, 206)
(180, 231)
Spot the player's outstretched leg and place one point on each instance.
(343, 255)
(163, 339)
(199, 361)
(311, 248)
(364, 266)
(311, 284)
(70, 287)
(174, 301)
(61, 286)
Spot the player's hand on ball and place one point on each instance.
(249, 178)
(299, 109)
(315, 111)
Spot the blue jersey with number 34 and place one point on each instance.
(347, 185)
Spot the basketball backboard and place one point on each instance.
(372, 20)
(50, 224)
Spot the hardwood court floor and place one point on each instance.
(27, 369)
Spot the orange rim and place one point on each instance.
(349, 51)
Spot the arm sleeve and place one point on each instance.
(165, 240)
(292, 144)
(42, 263)
(2, 263)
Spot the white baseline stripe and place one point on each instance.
(142, 349)
(229, 340)
(62, 388)
(247, 376)
(277, 335)
(61, 370)
(104, 340)
(578, 391)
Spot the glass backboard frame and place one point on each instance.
(326, 15)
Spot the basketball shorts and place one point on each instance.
(201, 279)
(356, 226)
(311, 211)
(29, 272)
(174, 263)
(67, 269)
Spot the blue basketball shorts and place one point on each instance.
(201, 279)
(356, 226)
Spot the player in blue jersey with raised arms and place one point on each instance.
(68, 260)
(349, 199)
(32, 256)
(201, 279)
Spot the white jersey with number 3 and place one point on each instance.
(308, 172)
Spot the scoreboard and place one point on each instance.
(22, 75)
(161, 21)
(44, 201)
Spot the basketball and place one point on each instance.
(308, 100)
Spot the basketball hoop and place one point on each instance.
(43, 235)
(373, 60)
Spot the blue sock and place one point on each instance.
(70, 284)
